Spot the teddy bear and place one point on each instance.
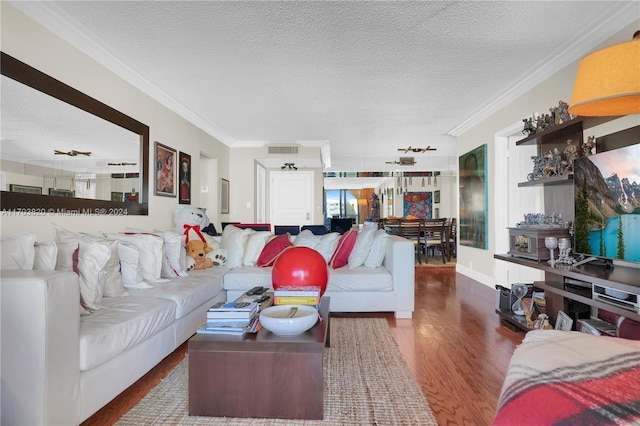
(190, 221)
(198, 250)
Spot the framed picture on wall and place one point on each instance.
(165, 175)
(224, 196)
(436, 196)
(62, 192)
(25, 189)
(473, 225)
(117, 196)
(418, 204)
(184, 173)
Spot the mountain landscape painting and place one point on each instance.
(607, 204)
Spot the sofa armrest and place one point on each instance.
(40, 360)
(399, 261)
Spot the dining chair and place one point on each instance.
(412, 230)
(435, 238)
(452, 247)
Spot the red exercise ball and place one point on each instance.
(300, 266)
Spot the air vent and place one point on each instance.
(279, 150)
(407, 161)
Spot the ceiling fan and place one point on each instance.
(72, 153)
(412, 149)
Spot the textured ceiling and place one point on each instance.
(363, 78)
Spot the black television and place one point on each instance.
(607, 204)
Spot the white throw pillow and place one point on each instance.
(175, 255)
(255, 243)
(130, 266)
(64, 259)
(93, 257)
(18, 251)
(306, 238)
(328, 244)
(360, 251)
(46, 256)
(378, 249)
(234, 241)
(112, 278)
(151, 252)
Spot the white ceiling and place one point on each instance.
(362, 79)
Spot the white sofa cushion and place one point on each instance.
(360, 279)
(46, 256)
(125, 322)
(111, 278)
(255, 243)
(360, 251)
(92, 260)
(18, 252)
(130, 266)
(234, 241)
(247, 277)
(188, 292)
(378, 249)
(306, 238)
(151, 250)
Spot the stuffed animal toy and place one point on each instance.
(190, 221)
(197, 250)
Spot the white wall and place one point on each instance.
(242, 206)
(29, 42)
(479, 264)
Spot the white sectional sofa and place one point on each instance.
(59, 368)
(386, 289)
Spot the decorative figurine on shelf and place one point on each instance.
(563, 111)
(564, 249)
(550, 167)
(570, 154)
(538, 164)
(529, 127)
(589, 146)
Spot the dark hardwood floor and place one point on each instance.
(454, 345)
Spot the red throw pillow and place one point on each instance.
(341, 256)
(273, 249)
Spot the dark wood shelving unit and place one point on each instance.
(553, 180)
(619, 277)
(559, 131)
(516, 322)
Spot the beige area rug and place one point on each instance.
(366, 382)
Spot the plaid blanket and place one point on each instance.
(571, 378)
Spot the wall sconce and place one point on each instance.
(608, 81)
(289, 166)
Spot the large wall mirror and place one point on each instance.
(65, 152)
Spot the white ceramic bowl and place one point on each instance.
(275, 319)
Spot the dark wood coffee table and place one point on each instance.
(260, 375)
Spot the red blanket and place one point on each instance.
(570, 378)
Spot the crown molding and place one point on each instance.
(60, 23)
(623, 14)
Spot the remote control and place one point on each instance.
(263, 298)
(256, 290)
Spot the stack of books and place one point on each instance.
(297, 295)
(232, 318)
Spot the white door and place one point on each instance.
(512, 165)
(291, 200)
